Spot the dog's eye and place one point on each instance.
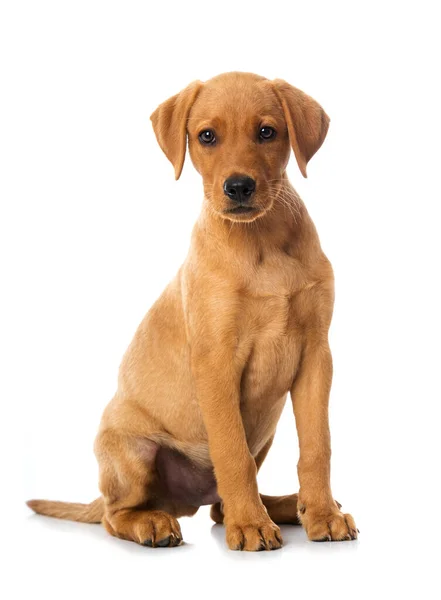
(207, 137)
(266, 133)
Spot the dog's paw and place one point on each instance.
(159, 530)
(254, 537)
(327, 524)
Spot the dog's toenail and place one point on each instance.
(148, 543)
(164, 543)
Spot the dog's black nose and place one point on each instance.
(239, 188)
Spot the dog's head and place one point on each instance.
(240, 128)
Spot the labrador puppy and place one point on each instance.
(244, 322)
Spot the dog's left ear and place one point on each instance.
(306, 120)
(170, 125)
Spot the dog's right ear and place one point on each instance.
(170, 124)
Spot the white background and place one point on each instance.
(93, 227)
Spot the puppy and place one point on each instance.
(244, 322)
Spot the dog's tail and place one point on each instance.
(73, 511)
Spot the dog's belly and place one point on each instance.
(183, 480)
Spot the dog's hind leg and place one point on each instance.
(130, 488)
(281, 509)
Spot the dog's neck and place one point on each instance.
(285, 228)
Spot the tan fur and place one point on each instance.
(244, 322)
(84, 513)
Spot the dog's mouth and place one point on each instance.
(238, 210)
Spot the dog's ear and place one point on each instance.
(306, 120)
(170, 125)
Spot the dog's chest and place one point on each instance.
(270, 338)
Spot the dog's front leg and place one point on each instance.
(318, 512)
(248, 526)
